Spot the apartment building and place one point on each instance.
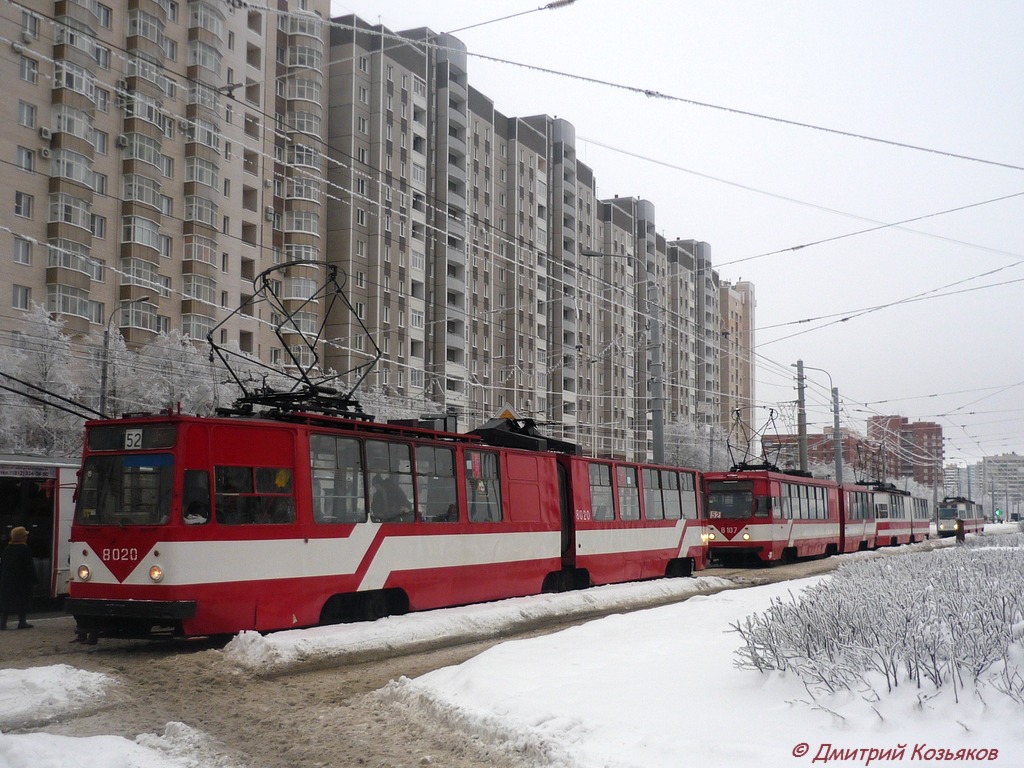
(907, 449)
(165, 154)
(736, 354)
(1003, 485)
(176, 163)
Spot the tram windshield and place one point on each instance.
(732, 499)
(948, 513)
(130, 489)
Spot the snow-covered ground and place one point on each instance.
(658, 687)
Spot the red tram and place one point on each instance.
(197, 526)
(953, 508)
(771, 515)
(902, 518)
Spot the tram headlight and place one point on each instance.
(156, 573)
(84, 574)
(711, 537)
(746, 537)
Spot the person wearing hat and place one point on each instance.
(17, 576)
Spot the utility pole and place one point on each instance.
(837, 436)
(801, 415)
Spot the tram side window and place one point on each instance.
(435, 484)
(898, 510)
(654, 507)
(629, 493)
(390, 468)
(253, 495)
(602, 504)
(670, 494)
(339, 494)
(922, 508)
(483, 487)
(688, 491)
(195, 497)
(853, 505)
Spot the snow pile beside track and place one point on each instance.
(450, 626)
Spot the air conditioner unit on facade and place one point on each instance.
(45, 133)
(122, 141)
(269, 213)
(183, 125)
(45, 153)
(122, 85)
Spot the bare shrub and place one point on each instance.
(952, 617)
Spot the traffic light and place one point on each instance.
(999, 514)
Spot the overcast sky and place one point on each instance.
(786, 124)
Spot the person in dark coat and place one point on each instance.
(17, 576)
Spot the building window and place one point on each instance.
(21, 297)
(22, 251)
(26, 114)
(26, 159)
(28, 70)
(23, 204)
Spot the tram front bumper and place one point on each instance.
(149, 610)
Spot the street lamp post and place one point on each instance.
(650, 311)
(837, 438)
(106, 352)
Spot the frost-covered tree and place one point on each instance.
(170, 371)
(696, 446)
(383, 406)
(42, 361)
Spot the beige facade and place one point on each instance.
(736, 308)
(169, 153)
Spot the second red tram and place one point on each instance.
(198, 526)
(770, 515)
(774, 516)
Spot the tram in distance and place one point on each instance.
(191, 526)
(953, 508)
(767, 515)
